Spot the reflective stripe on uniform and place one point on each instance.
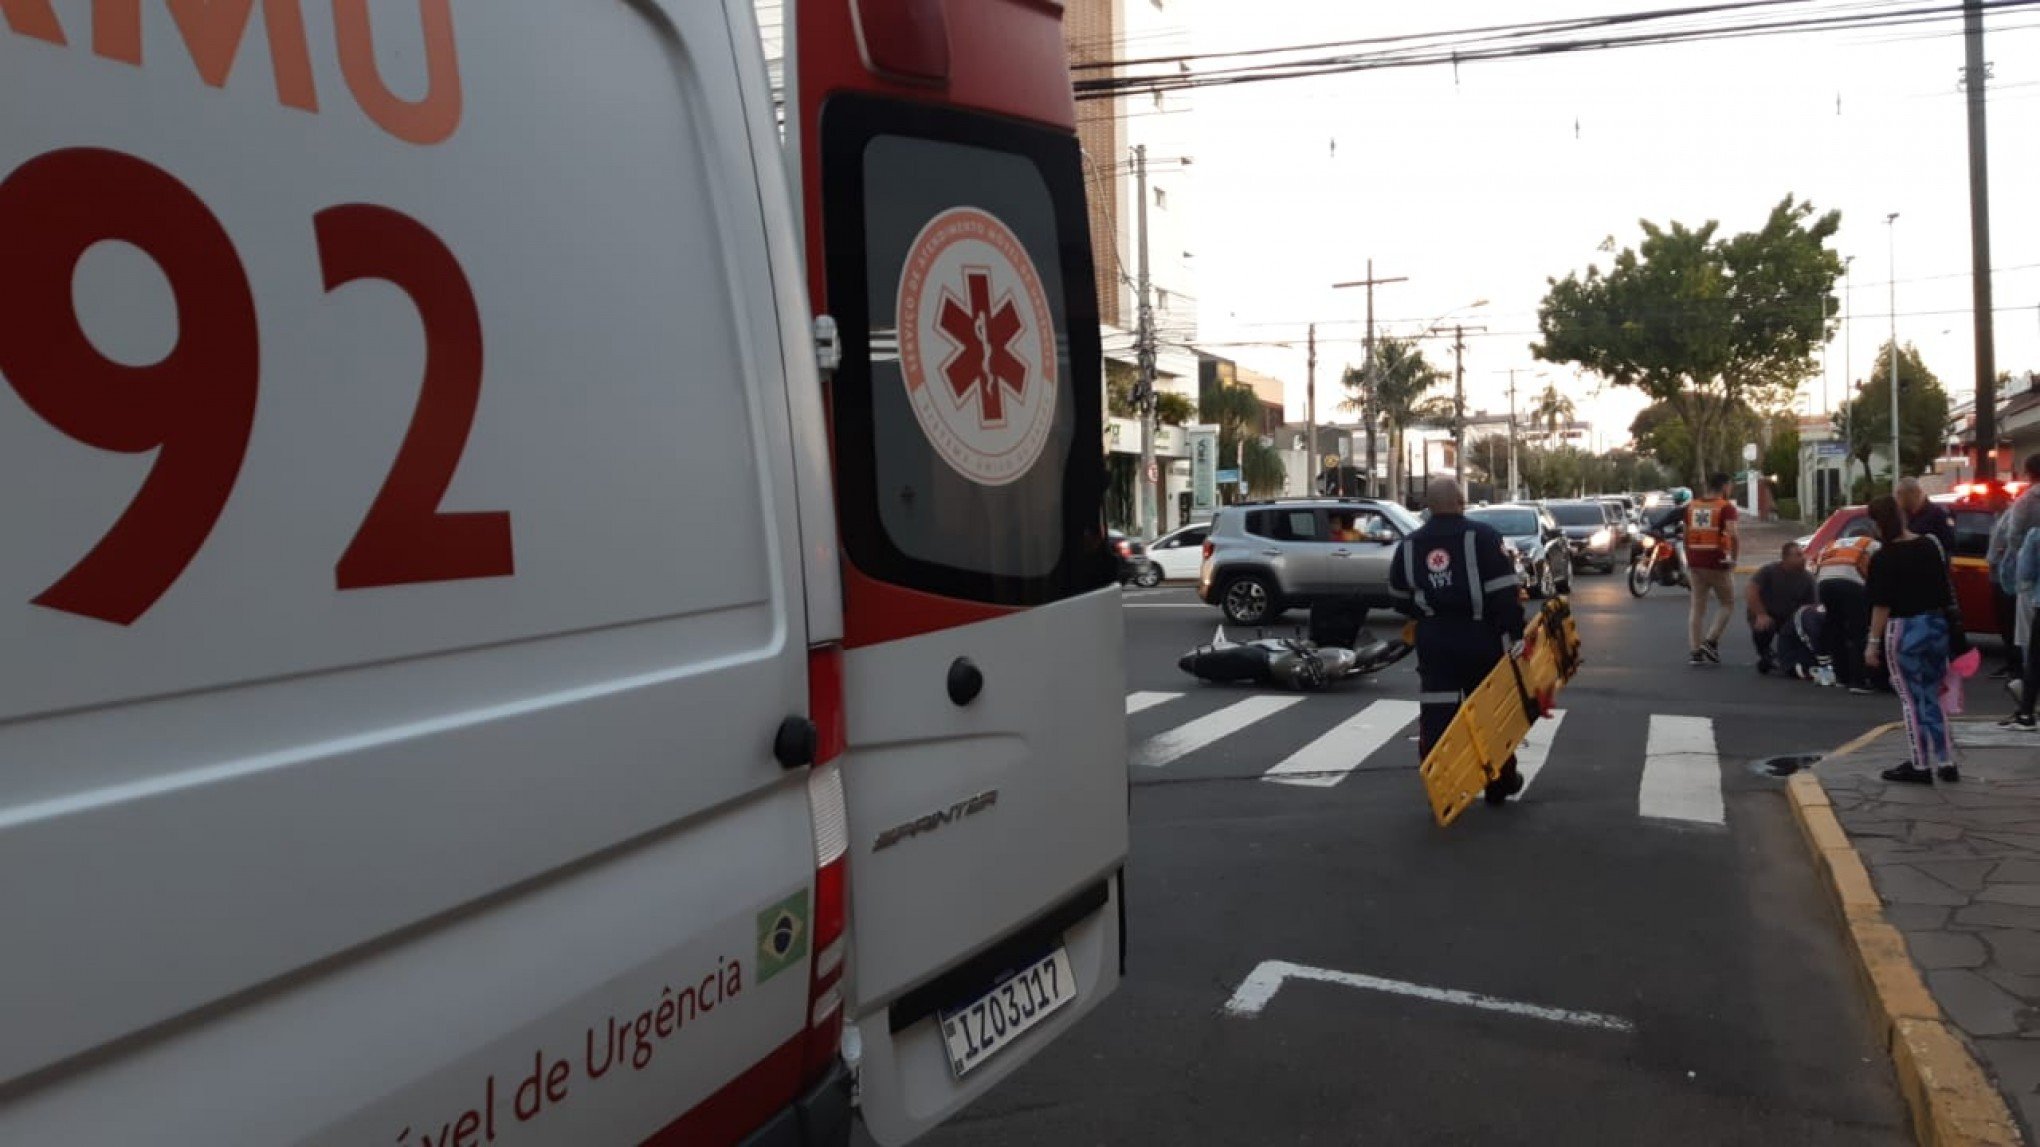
(1498, 584)
(1472, 572)
(1409, 566)
(1439, 698)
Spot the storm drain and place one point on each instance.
(1784, 764)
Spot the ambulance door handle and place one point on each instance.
(966, 681)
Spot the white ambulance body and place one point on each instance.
(466, 676)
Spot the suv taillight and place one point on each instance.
(1209, 546)
(832, 843)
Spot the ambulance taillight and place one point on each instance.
(832, 843)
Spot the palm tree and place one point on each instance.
(1236, 410)
(1401, 377)
(1553, 409)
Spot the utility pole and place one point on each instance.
(1975, 76)
(1150, 487)
(1367, 365)
(1891, 227)
(1459, 401)
(1514, 481)
(1310, 468)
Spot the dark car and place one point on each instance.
(1536, 544)
(1593, 540)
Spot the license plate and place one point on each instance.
(975, 1031)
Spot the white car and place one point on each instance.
(1181, 552)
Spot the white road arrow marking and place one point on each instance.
(1262, 983)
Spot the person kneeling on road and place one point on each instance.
(1454, 578)
(1839, 578)
(1774, 596)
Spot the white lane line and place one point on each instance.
(1326, 761)
(1536, 748)
(1135, 702)
(1262, 983)
(1681, 772)
(1187, 738)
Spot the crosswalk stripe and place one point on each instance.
(1681, 772)
(1326, 761)
(1187, 738)
(1536, 748)
(1135, 702)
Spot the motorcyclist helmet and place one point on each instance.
(1681, 495)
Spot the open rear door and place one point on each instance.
(986, 781)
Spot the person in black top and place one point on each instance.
(1773, 597)
(1453, 576)
(1909, 597)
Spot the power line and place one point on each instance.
(1493, 29)
(1475, 50)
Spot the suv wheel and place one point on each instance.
(1248, 599)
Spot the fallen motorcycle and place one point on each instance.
(1289, 663)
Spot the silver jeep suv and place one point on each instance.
(1265, 557)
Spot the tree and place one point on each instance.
(1553, 409)
(1402, 376)
(1172, 409)
(1781, 458)
(1120, 382)
(1922, 412)
(1236, 411)
(1702, 323)
(1661, 432)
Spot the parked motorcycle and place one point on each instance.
(1656, 561)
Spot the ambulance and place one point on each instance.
(547, 596)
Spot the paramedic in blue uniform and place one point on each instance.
(1454, 578)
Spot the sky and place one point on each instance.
(1483, 184)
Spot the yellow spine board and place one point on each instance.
(1491, 722)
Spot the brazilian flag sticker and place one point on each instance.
(782, 935)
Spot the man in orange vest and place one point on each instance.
(1711, 545)
(1838, 576)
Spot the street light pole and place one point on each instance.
(1848, 303)
(1891, 227)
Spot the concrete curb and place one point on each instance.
(1953, 1102)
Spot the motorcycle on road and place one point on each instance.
(1656, 561)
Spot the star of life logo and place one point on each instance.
(977, 346)
(1438, 561)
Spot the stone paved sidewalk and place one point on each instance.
(1958, 869)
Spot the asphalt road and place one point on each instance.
(1673, 978)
